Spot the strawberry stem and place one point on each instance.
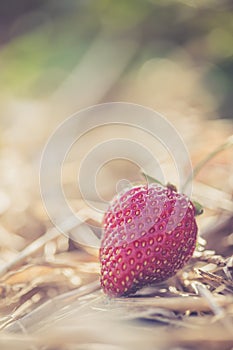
(171, 186)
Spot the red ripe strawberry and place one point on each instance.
(149, 232)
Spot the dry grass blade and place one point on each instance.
(216, 280)
(227, 144)
(53, 233)
(180, 304)
(49, 308)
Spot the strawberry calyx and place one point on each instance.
(197, 206)
(150, 179)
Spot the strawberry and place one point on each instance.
(149, 233)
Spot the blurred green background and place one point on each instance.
(162, 53)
